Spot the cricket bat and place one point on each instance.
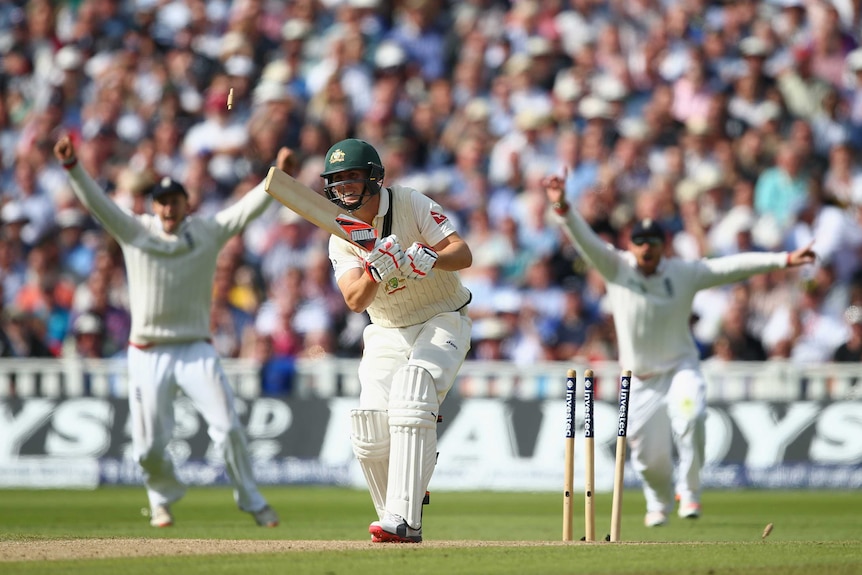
(318, 210)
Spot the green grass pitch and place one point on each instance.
(815, 532)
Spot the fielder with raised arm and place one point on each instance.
(418, 337)
(170, 260)
(651, 299)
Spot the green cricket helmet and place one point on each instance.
(352, 154)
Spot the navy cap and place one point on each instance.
(167, 186)
(648, 228)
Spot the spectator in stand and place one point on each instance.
(569, 332)
(851, 350)
(77, 247)
(23, 335)
(781, 191)
(34, 202)
(741, 344)
(277, 371)
(13, 270)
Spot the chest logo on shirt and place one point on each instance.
(394, 284)
(438, 217)
(635, 285)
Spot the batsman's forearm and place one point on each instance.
(455, 256)
(358, 290)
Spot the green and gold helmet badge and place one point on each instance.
(336, 157)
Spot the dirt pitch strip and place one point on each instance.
(59, 549)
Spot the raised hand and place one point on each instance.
(555, 188)
(385, 259)
(64, 151)
(802, 256)
(420, 260)
(286, 161)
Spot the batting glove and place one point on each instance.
(420, 259)
(384, 259)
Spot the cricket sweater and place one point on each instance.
(652, 313)
(402, 302)
(170, 276)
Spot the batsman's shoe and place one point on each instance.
(689, 510)
(160, 516)
(393, 529)
(655, 518)
(266, 517)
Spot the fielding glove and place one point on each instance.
(420, 260)
(384, 259)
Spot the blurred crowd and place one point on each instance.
(737, 124)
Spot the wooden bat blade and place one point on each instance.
(318, 210)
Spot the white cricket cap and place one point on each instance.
(697, 127)
(477, 110)
(295, 29)
(517, 64)
(531, 119)
(276, 71)
(364, 4)
(13, 213)
(633, 128)
(389, 55)
(753, 46)
(70, 218)
(232, 42)
(267, 92)
(593, 107)
(708, 177)
(239, 65)
(854, 60)
(609, 88)
(686, 190)
(567, 88)
(96, 66)
(539, 46)
(69, 58)
(87, 324)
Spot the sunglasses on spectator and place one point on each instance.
(647, 240)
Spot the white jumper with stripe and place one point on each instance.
(652, 313)
(170, 276)
(402, 302)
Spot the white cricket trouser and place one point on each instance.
(439, 346)
(155, 374)
(666, 411)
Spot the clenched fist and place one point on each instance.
(420, 259)
(384, 259)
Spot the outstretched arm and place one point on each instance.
(603, 256)
(728, 269)
(123, 226)
(802, 256)
(234, 218)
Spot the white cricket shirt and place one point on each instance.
(401, 302)
(170, 276)
(651, 313)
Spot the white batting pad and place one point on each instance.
(413, 428)
(369, 433)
